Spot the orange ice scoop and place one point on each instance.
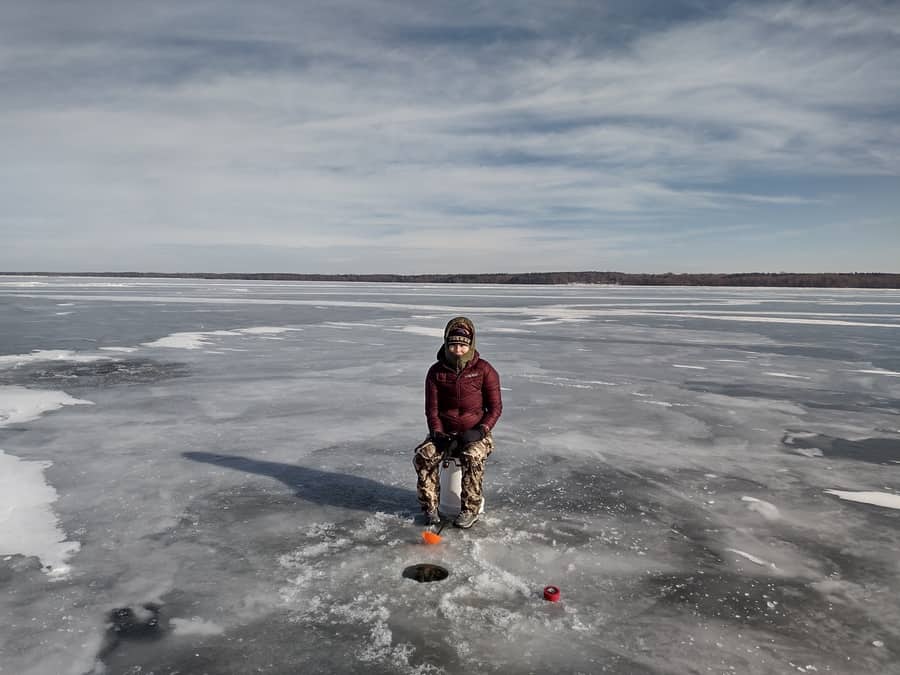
(434, 537)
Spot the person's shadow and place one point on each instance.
(321, 487)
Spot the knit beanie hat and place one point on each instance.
(459, 335)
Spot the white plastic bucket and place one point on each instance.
(451, 488)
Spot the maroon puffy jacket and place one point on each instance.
(456, 402)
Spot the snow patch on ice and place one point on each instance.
(677, 365)
(18, 404)
(351, 324)
(886, 499)
(788, 376)
(763, 508)
(102, 284)
(878, 371)
(124, 350)
(195, 626)
(427, 331)
(198, 340)
(797, 320)
(28, 525)
(15, 360)
(560, 320)
(791, 436)
(752, 404)
(809, 452)
(186, 340)
(266, 330)
(752, 558)
(567, 382)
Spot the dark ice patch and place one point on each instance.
(810, 398)
(143, 624)
(426, 572)
(789, 608)
(718, 483)
(15, 567)
(872, 450)
(696, 541)
(758, 601)
(592, 490)
(127, 623)
(94, 373)
(837, 561)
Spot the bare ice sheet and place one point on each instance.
(211, 477)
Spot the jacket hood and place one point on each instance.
(460, 322)
(458, 363)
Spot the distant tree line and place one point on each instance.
(789, 279)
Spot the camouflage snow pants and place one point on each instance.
(427, 461)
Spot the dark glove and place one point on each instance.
(472, 435)
(441, 440)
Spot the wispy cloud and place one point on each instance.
(534, 137)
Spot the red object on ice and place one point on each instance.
(551, 593)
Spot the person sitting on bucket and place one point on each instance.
(462, 405)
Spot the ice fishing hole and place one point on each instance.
(425, 572)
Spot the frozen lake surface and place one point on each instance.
(215, 477)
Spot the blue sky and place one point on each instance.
(414, 137)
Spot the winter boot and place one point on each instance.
(465, 519)
(432, 517)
